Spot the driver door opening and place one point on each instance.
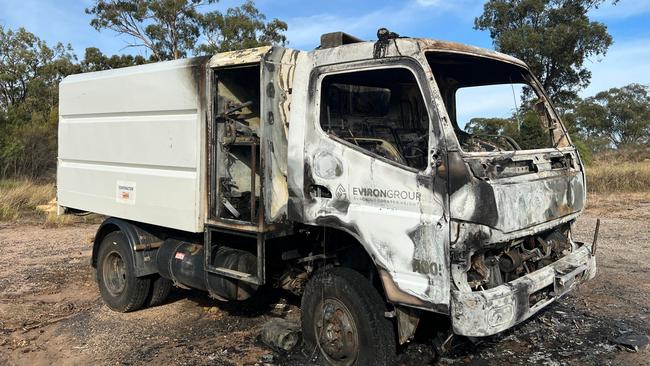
(379, 111)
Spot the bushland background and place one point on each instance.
(554, 37)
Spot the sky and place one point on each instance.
(627, 60)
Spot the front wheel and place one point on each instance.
(343, 319)
(121, 290)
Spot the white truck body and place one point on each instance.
(130, 144)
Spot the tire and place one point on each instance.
(120, 289)
(343, 301)
(160, 289)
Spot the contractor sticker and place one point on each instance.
(125, 192)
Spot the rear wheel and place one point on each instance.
(343, 319)
(160, 289)
(120, 289)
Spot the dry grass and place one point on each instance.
(617, 176)
(625, 154)
(27, 201)
(53, 220)
(620, 205)
(19, 198)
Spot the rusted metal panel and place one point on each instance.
(239, 57)
(407, 323)
(512, 203)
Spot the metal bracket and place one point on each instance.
(258, 278)
(594, 245)
(564, 282)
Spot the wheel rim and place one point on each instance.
(114, 272)
(336, 333)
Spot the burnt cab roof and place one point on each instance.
(341, 39)
(454, 47)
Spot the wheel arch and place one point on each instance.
(352, 252)
(135, 233)
(406, 317)
(355, 255)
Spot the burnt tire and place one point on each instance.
(159, 290)
(343, 319)
(120, 289)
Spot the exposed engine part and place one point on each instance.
(294, 281)
(183, 263)
(479, 272)
(494, 279)
(510, 261)
(494, 267)
(558, 241)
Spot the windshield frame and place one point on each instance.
(528, 78)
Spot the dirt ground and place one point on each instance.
(51, 313)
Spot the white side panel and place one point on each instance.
(131, 144)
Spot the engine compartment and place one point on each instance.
(508, 261)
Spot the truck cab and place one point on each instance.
(348, 175)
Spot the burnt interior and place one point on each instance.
(381, 111)
(501, 264)
(237, 143)
(454, 72)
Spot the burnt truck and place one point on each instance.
(343, 175)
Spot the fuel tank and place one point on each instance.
(184, 263)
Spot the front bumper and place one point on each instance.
(483, 313)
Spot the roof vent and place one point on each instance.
(335, 39)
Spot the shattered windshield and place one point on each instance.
(493, 106)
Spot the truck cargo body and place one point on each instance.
(353, 145)
(131, 143)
